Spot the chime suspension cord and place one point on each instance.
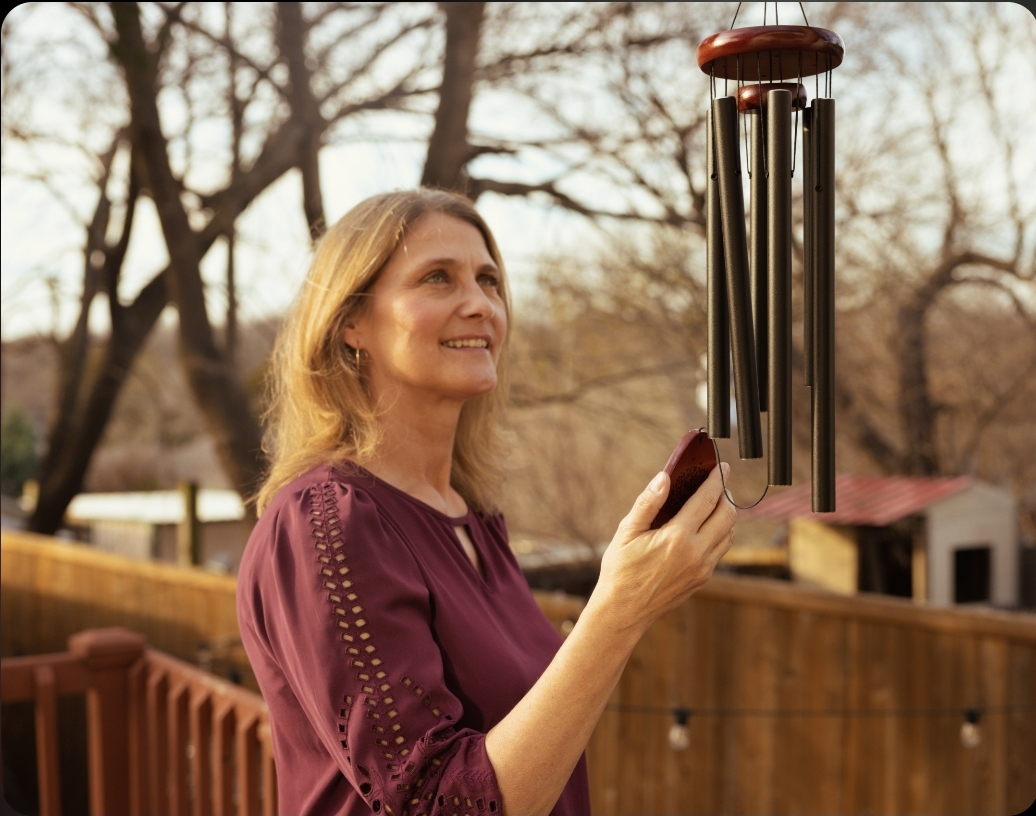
(723, 478)
(795, 128)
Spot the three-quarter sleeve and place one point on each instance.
(346, 614)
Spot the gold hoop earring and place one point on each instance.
(357, 359)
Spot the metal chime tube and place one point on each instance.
(808, 240)
(719, 324)
(757, 248)
(824, 309)
(778, 190)
(735, 255)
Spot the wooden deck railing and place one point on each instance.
(738, 645)
(163, 737)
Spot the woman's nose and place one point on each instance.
(476, 301)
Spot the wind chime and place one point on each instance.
(749, 276)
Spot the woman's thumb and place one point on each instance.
(645, 508)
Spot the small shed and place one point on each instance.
(163, 525)
(939, 540)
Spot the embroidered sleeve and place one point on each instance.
(349, 617)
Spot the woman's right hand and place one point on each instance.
(645, 572)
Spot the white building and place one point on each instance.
(147, 525)
(938, 540)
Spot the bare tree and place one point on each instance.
(290, 80)
(193, 220)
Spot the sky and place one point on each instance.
(40, 242)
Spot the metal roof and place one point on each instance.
(873, 501)
(154, 506)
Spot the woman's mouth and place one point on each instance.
(472, 343)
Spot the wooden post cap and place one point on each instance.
(110, 647)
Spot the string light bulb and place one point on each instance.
(679, 733)
(970, 733)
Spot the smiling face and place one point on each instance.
(436, 320)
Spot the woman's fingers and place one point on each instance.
(720, 522)
(644, 509)
(703, 503)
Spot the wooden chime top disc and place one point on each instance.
(765, 53)
(753, 97)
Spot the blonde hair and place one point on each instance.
(320, 411)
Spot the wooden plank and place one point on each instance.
(755, 651)
(990, 794)
(17, 675)
(177, 732)
(660, 762)
(809, 677)
(683, 663)
(200, 718)
(138, 742)
(729, 779)
(883, 609)
(223, 728)
(913, 680)
(48, 769)
(158, 742)
(953, 662)
(636, 728)
(269, 772)
(1021, 728)
(851, 736)
(247, 761)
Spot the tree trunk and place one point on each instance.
(916, 409)
(448, 149)
(291, 40)
(220, 396)
(68, 458)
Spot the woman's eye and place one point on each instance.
(489, 280)
(438, 276)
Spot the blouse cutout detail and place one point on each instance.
(383, 656)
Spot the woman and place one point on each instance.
(405, 664)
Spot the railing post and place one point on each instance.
(247, 765)
(269, 771)
(48, 769)
(108, 654)
(138, 775)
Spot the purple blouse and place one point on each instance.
(382, 654)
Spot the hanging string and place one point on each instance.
(795, 127)
(762, 109)
(737, 170)
(804, 15)
(712, 121)
(723, 479)
(748, 144)
(735, 14)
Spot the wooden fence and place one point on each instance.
(801, 701)
(163, 737)
(789, 685)
(53, 589)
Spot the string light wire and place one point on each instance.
(965, 712)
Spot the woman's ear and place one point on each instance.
(352, 336)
